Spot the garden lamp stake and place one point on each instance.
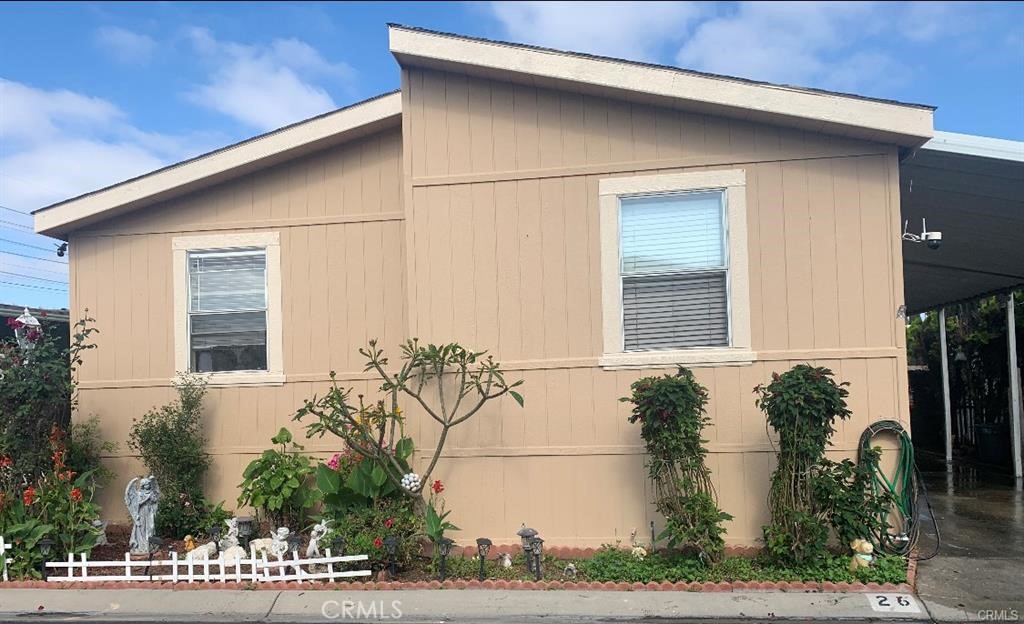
(483, 546)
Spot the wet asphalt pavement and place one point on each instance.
(979, 571)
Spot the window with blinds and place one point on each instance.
(227, 312)
(674, 269)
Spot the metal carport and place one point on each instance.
(971, 189)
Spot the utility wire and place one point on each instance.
(16, 210)
(41, 279)
(31, 286)
(14, 242)
(14, 253)
(17, 225)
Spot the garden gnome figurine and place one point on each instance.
(141, 497)
(315, 535)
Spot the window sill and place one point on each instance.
(725, 356)
(246, 378)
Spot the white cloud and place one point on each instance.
(126, 46)
(631, 30)
(265, 87)
(837, 45)
(58, 144)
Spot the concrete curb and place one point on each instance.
(433, 606)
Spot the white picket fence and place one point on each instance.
(253, 569)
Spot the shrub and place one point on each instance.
(85, 448)
(171, 443)
(276, 483)
(671, 412)
(38, 392)
(365, 528)
(802, 405)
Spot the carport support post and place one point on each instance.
(945, 386)
(1011, 340)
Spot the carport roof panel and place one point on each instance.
(972, 190)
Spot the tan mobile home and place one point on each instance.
(587, 220)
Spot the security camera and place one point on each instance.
(932, 239)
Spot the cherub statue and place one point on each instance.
(279, 545)
(231, 538)
(316, 534)
(141, 497)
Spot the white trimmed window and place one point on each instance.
(228, 312)
(674, 269)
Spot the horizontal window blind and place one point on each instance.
(228, 310)
(674, 273)
(674, 311)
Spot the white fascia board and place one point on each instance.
(61, 217)
(973, 145)
(907, 124)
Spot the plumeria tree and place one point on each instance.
(447, 382)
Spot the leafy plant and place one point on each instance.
(436, 517)
(671, 413)
(844, 493)
(172, 445)
(364, 529)
(462, 380)
(39, 390)
(86, 446)
(275, 483)
(801, 405)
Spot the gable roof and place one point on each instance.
(332, 128)
(885, 121)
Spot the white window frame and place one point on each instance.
(270, 242)
(732, 183)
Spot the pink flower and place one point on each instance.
(378, 543)
(14, 323)
(390, 522)
(334, 462)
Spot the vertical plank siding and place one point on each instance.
(477, 222)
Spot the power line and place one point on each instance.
(14, 242)
(16, 210)
(35, 269)
(41, 279)
(31, 286)
(14, 253)
(17, 225)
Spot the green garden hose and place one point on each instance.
(903, 485)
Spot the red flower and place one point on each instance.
(67, 475)
(378, 543)
(29, 496)
(390, 522)
(14, 323)
(438, 487)
(43, 314)
(76, 495)
(6, 461)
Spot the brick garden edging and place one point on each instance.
(722, 586)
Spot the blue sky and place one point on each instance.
(92, 93)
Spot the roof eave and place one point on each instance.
(883, 121)
(352, 122)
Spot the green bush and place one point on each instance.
(38, 392)
(85, 448)
(171, 443)
(277, 483)
(671, 413)
(365, 528)
(810, 494)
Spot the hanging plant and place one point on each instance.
(671, 412)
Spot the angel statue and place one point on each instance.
(141, 497)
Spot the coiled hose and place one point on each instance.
(904, 487)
